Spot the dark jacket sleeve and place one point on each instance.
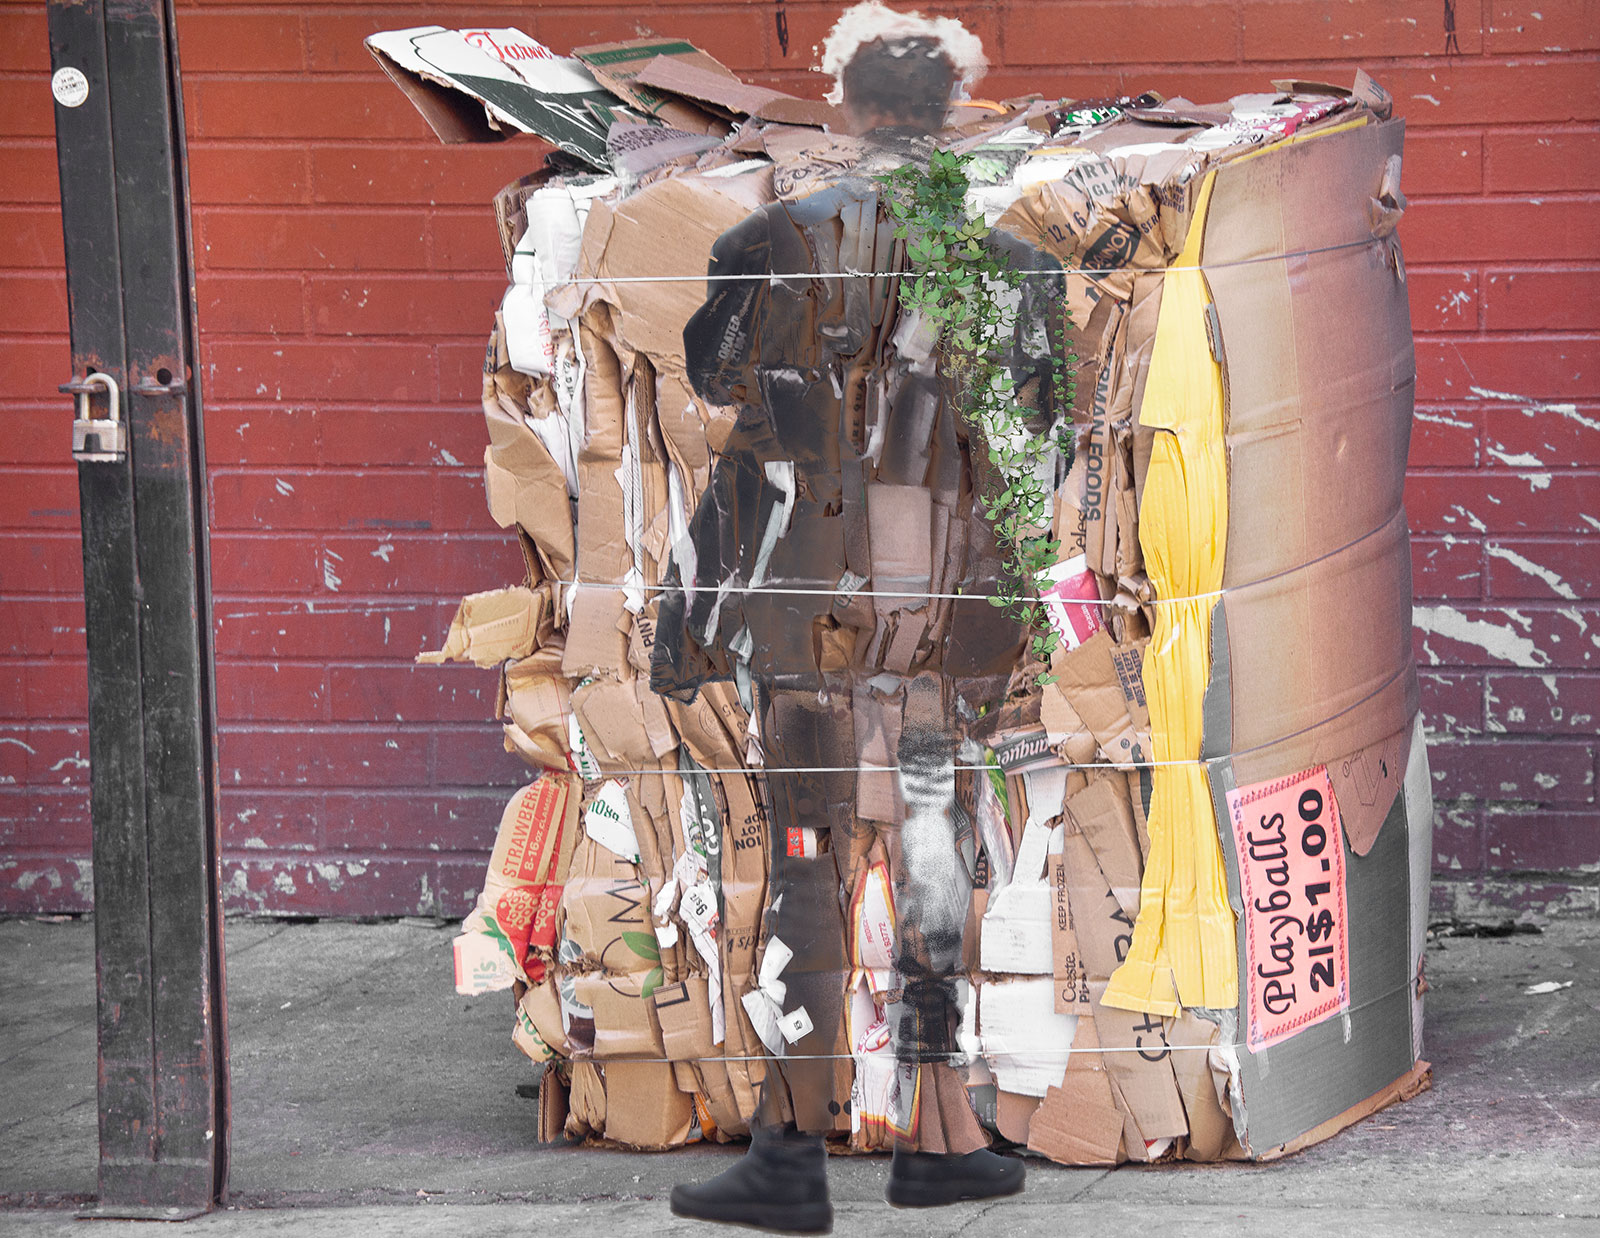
(720, 341)
(686, 654)
(721, 344)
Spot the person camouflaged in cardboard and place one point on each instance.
(819, 573)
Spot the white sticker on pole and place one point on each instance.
(69, 86)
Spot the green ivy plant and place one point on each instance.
(970, 293)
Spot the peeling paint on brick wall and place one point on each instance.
(348, 272)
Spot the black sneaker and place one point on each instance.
(929, 1180)
(780, 1184)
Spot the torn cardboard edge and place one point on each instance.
(475, 85)
(617, 66)
(691, 80)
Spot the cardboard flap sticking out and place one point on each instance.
(1367, 91)
(516, 82)
(1077, 1123)
(586, 1101)
(1089, 679)
(1182, 113)
(553, 1107)
(644, 1107)
(1294, 86)
(1103, 813)
(684, 1012)
(1139, 1066)
(617, 66)
(1013, 1114)
(1064, 727)
(665, 229)
(624, 1020)
(520, 475)
(1388, 204)
(453, 115)
(729, 93)
(1211, 1136)
(594, 636)
(1139, 1058)
(490, 627)
(541, 1009)
(537, 704)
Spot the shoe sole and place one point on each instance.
(940, 1194)
(791, 1219)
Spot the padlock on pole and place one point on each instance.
(97, 440)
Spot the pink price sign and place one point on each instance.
(1291, 873)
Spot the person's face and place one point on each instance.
(932, 78)
(864, 118)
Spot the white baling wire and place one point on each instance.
(584, 281)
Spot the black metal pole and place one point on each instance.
(163, 1090)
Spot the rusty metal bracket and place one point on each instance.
(156, 387)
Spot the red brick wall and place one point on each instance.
(348, 269)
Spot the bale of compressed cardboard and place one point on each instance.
(1200, 872)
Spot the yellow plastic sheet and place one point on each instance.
(1183, 949)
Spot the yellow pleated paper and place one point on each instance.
(1183, 940)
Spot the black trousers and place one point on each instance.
(811, 756)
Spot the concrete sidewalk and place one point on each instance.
(370, 1099)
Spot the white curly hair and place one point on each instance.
(870, 21)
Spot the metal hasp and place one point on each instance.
(163, 1068)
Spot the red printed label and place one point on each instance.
(515, 911)
(539, 806)
(542, 929)
(1072, 601)
(542, 932)
(1291, 874)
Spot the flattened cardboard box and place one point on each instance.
(472, 85)
(617, 67)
